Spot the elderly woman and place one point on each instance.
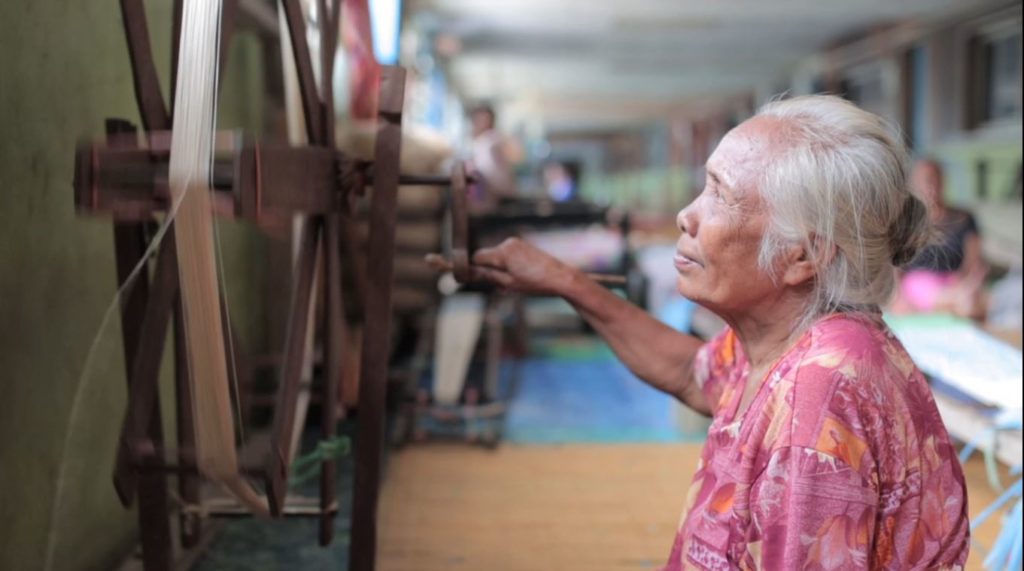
(826, 450)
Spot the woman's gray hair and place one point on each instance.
(840, 188)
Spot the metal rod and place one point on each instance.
(223, 176)
(294, 507)
(424, 180)
(439, 262)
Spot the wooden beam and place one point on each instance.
(143, 391)
(129, 245)
(334, 312)
(188, 482)
(334, 344)
(311, 105)
(262, 15)
(279, 459)
(377, 334)
(459, 208)
(127, 182)
(147, 83)
(328, 47)
(176, 12)
(228, 19)
(153, 514)
(131, 182)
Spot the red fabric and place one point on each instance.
(364, 72)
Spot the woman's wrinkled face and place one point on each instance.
(717, 253)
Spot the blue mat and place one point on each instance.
(590, 397)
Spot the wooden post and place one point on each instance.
(188, 481)
(334, 344)
(334, 311)
(377, 333)
(295, 351)
(129, 244)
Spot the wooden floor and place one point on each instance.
(529, 508)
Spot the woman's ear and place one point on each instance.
(804, 260)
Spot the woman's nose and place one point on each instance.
(686, 220)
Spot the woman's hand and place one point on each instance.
(516, 265)
(657, 354)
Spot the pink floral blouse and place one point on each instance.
(840, 462)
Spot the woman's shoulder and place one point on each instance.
(852, 376)
(853, 335)
(848, 352)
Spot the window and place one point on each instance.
(916, 105)
(995, 74)
(1004, 75)
(873, 86)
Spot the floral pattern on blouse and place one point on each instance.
(841, 461)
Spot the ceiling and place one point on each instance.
(593, 63)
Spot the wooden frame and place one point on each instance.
(127, 182)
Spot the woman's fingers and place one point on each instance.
(491, 257)
(493, 275)
(438, 262)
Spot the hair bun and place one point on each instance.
(903, 256)
(908, 234)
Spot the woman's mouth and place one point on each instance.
(684, 262)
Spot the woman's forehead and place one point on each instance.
(745, 151)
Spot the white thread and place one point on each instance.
(195, 33)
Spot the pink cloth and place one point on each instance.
(922, 289)
(840, 462)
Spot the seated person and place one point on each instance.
(489, 162)
(559, 182)
(948, 275)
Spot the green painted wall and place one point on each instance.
(654, 190)
(63, 69)
(1003, 162)
(999, 212)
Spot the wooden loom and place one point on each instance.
(127, 179)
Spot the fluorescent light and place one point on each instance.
(385, 19)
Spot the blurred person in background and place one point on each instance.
(559, 182)
(826, 449)
(489, 161)
(948, 275)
